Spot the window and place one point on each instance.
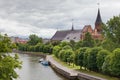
(67, 37)
(74, 37)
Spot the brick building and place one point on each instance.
(96, 33)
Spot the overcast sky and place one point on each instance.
(44, 17)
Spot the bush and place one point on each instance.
(69, 56)
(85, 58)
(56, 50)
(101, 58)
(111, 65)
(67, 47)
(79, 56)
(92, 61)
(106, 65)
(61, 55)
(64, 43)
(115, 63)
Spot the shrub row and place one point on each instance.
(36, 48)
(93, 59)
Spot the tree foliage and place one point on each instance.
(88, 40)
(56, 50)
(8, 63)
(111, 31)
(92, 61)
(101, 58)
(34, 39)
(79, 56)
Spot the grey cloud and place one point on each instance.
(40, 15)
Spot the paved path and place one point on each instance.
(71, 71)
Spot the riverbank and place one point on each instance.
(70, 73)
(31, 53)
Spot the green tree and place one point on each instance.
(34, 39)
(101, 58)
(48, 48)
(92, 59)
(111, 30)
(67, 47)
(56, 50)
(5, 44)
(72, 44)
(97, 42)
(78, 45)
(55, 43)
(88, 40)
(8, 63)
(69, 56)
(79, 56)
(108, 45)
(85, 58)
(64, 43)
(61, 55)
(115, 63)
(106, 65)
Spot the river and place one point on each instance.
(33, 70)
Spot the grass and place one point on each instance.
(85, 71)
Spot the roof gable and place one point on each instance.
(60, 35)
(87, 28)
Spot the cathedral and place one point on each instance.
(77, 35)
(96, 33)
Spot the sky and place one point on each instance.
(44, 17)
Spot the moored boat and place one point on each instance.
(45, 63)
(40, 60)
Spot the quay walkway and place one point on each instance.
(71, 74)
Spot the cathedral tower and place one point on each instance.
(98, 23)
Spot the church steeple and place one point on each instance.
(72, 26)
(98, 19)
(98, 22)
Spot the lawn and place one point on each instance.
(72, 66)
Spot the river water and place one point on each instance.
(33, 70)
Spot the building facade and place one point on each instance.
(96, 33)
(67, 35)
(77, 35)
(18, 40)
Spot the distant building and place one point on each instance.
(96, 33)
(67, 35)
(77, 35)
(19, 40)
(46, 40)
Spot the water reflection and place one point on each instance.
(32, 70)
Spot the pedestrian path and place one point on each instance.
(72, 72)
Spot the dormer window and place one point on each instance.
(74, 37)
(67, 37)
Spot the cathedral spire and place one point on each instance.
(98, 22)
(72, 26)
(98, 19)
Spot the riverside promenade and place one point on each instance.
(71, 74)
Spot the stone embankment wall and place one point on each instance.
(82, 76)
(63, 72)
(69, 74)
(31, 53)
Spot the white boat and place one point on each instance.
(45, 63)
(41, 60)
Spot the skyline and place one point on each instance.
(44, 17)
